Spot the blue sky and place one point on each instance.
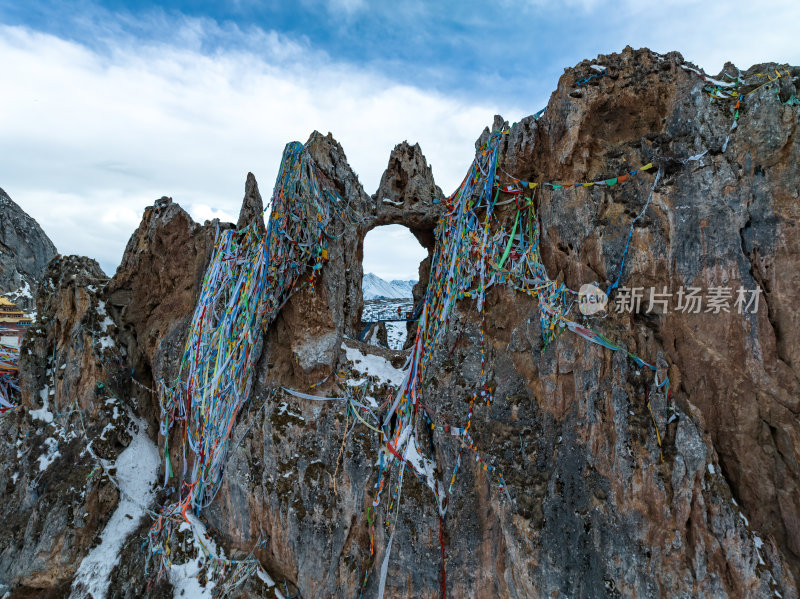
(447, 46)
(107, 106)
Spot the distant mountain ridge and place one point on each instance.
(25, 250)
(374, 287)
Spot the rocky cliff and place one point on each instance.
(650, 451)
(25, 251)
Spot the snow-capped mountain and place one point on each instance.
(374, 287)
(406, 286)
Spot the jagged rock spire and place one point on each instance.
(252, 205)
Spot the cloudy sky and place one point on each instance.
(107, 105)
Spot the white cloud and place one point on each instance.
(90, 138)
(202, 212)
(712, 33)
(708, 33)
(392, 252)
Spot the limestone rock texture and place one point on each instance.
(25, 250)
(590, 507)
(252, 205)
(154, 291)
(56, 495)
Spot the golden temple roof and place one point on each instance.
(10, 314)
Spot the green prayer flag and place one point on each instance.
(510, 242)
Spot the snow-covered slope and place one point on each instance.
(405, 286)
(137, 470)
(374, 287)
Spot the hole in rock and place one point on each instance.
(392, 258)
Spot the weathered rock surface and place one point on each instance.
(727, 220)
(25, 251)
(155, 289)
(252, 206)
(408, 195)
(56, 495)
(569, 427)
(591, 510)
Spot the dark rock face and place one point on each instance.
(569, 427)
(252, 207)
(25, 251)
(408, 195)
(155, 288)
(313, 324)
(303, 345)
(591, 509)
(724, 220)
(56, 496)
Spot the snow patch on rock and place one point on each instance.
(50, 454)
(137, 469)
(373, 365)
(44, 414)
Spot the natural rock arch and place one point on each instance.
(313, 323)
(407, 195)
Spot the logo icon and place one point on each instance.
(591, 299)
